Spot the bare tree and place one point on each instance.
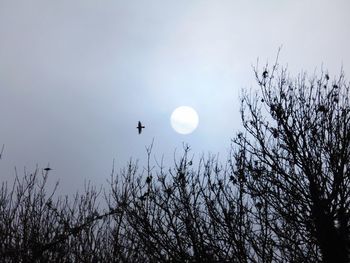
(36, 227)
(295, 157)
(189, 215)
(282, 196)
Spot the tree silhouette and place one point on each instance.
(295, 157)
(282, 196)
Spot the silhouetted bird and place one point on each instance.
(140, 127)
(322, 108)
(265, 74)
(149, 179)
(47, 169)
(258, 205)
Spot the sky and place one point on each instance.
(77, 75)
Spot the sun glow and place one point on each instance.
(184, 120)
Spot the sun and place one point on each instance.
(184, 120)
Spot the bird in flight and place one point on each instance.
(140, 127)
(47, 169)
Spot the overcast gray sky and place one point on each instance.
(77, 75)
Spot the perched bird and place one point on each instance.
(265, 74)
(140, 127)
(149, 179)
(258, 205)
(47, 169)
(322, 108)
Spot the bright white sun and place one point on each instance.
(184, 120)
